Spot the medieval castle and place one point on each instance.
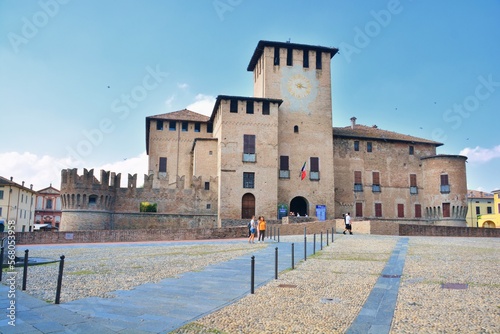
(268, 155)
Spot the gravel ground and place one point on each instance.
(344, 274)
(97, 271)
(321, 295)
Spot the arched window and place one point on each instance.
(296, 129)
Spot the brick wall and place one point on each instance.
(167, 234)
(447, 231)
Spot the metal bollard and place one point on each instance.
(25, 269)
(327, 237)
(293, 255)
(252, 276)
(278, 234)
(276, 263)
(321, 241)
(333, 232)
(314, 243)
(59, 280)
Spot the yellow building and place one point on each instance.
(478, 203)
(491, 220)
(17, 204)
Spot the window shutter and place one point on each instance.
(249, 144)
(284, 162)
(413, 180)
(357, 177)
(314, 164)
(163, 165)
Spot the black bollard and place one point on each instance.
(293, 255)
(1, 263)
(333, 232)
(321, 241)
(25, 269)
(314, 243)
(327, 237)
(278, 234)
(276, 263)
(252, 276)
(59, 279)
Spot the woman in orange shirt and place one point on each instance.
(262, 228)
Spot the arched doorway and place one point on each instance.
(247, 206)
(299, 205)
(489, 224)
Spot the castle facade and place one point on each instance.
(270, 154)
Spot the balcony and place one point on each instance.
(249, 157)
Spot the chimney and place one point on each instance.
(353, 122)
(11, 178)
(22, 185)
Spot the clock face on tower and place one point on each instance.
(299, 86)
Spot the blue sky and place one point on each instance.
(78, 78)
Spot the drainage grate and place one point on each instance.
(391, 276)
(287, 286)
(455, 286)
(330, 300)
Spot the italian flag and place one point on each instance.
(303, 172)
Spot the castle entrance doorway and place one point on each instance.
(299, 205)
(247, 206)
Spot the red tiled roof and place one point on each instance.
(371, 132)
(182, 115)
(478, 194)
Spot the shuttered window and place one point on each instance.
(446, 209)
(418, 211)
(413, 180)
(401, 210)
(378, 209)
(249, 144)
(162, 165)
(359, 209)
(284, 162)
(358, 186)
(314, 164)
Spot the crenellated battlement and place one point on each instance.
(90, 203)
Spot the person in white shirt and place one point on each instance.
(348, 226)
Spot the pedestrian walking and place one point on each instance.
(347, 221)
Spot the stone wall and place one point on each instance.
(167, 234)
(447, 231)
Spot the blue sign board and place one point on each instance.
(321, 212)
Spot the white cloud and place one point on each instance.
(168, 102)
(136, 165)
(204, 104)
(182, 85)
(481, 155)
(42, 171)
